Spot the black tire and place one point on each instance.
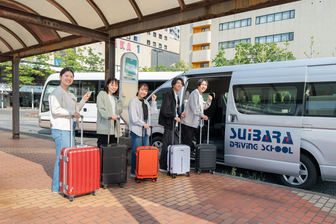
(157, 142)
(307, 177)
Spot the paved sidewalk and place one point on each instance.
(26, 168)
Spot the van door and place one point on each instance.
(263, 128)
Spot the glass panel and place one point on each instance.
(285, 15)
(277, 16)
(262, 40)
(92, 87)
(225, 26)
(292, 14)
(284, 37)
(270, 18)
(277, 38)
(49, 88)
(244, 22)
(230, 44)
(231, 25)
(269, 39)
(237, 24)
(262, 19)
(321, 99)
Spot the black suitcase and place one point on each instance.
(205, 154)
(113, 162)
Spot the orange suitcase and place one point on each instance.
(147, 163)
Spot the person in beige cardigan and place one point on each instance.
(108, 106)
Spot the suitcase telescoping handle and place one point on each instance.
(179, 132)
(71, 130)
(207, 133)
(109, 127)
(151, 132)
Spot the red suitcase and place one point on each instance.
(147, 163)
(79, 169)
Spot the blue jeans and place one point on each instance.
(136, 141)
(62, 140)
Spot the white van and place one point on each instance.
(93, 82)
(275, 117)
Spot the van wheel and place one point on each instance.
(157, 142)
(307, 175)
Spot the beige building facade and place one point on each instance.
(296, 22)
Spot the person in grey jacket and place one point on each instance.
(194, 110)
(108, 106)
(140, 113)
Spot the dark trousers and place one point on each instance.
(166, 141)
(102, 139)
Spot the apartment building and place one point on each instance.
(296, 22)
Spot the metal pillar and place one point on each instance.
(15, 98)
(110, 58)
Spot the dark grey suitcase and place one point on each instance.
(205, 154)
(113, 162)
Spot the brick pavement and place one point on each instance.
(26, 168)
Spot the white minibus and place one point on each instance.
(93, 82)
(277, 117)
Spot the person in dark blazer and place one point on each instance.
(169, 117)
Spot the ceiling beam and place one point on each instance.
(7, 44)
(99, 12)
(14, 35)
(136, 9)
(25, 17)
(192, 13)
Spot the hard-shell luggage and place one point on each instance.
(178, 158)
(113, 161)
(205, 154)
(79, 168)
(147, 162)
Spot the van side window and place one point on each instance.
(270, 99)
(159, 97)
(320, 99)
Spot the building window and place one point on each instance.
(205, 29)
(160, 45)
(165, 38)
(204, 47)
(275, 17)
(154, 34)
(138, 47)
(232, 43)
(275, 38)
(148, 33)
(165, 47)
(160, 36)
(135, 38)
(205, 65)
(235, 24)
(148, 42)
(154, 44)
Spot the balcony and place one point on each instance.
(202, 55)
(201, 38)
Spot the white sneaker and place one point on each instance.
(132, 175)
(163, 170)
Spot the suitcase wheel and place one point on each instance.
(95, 193)
(188, 174)
(121, 185)
(71, 198)
(174, 175)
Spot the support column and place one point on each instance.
(110, 58)
(15, 98)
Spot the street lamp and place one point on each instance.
(157, 58)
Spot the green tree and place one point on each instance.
(81, 60)
(29, 69)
